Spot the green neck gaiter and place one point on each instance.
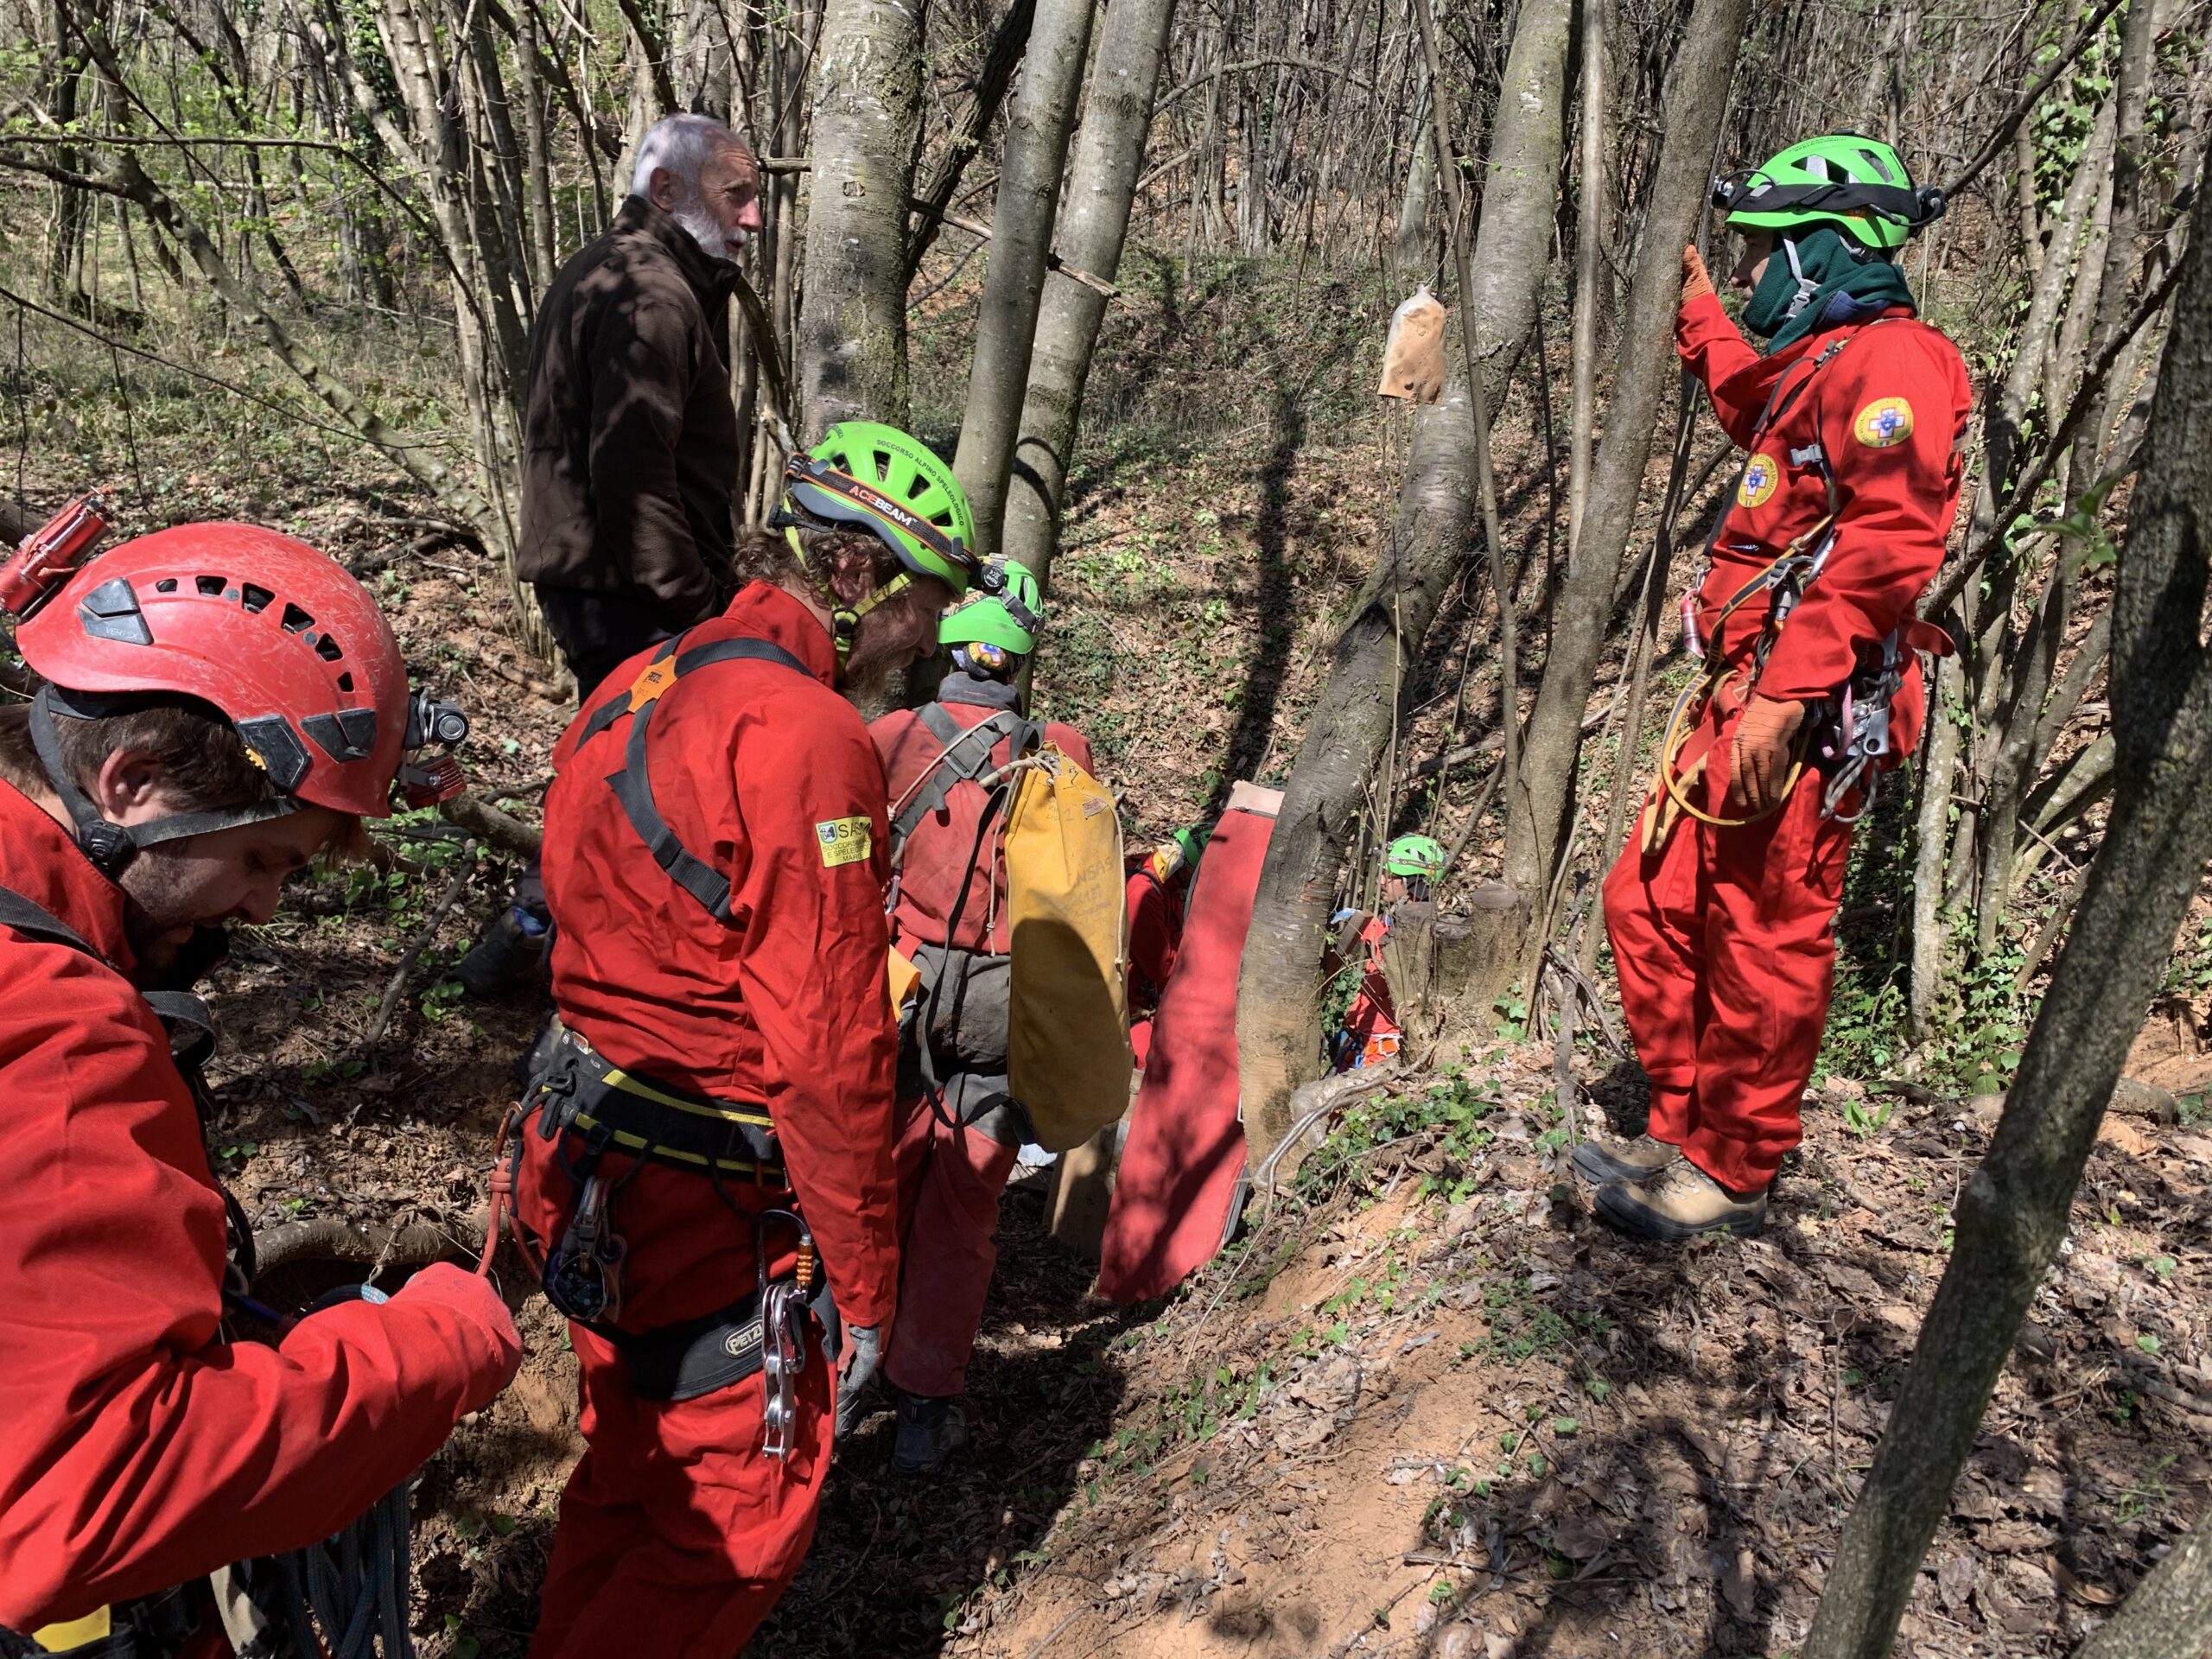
(1836, 288)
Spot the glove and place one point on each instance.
(1697, 282)
(855, 1367)
(463, 1292)
(1759, 755)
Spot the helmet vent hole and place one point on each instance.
(254, 598)
(212, 586)
(882, 463)
(327, 649)
(166, 585)
(346, 681)
(296, 619)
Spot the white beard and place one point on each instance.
(728, 247)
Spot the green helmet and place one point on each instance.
(1416, 856)
(1009, 618)
(876, 478)
(1859, 185)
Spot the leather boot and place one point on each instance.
(929, 1431)
(1681, 1201)
(1604, 1161)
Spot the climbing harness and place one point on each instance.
(579, 1098)
(1845, 738)
(345, 1598)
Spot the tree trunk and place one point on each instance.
(1539, 799)
(868, 112)
(934, 198)
(1416, 252)
(1278, 1029)
(1519, 198)
(2013, 1211)
(2169, 1614)
(1937, 767)
(1021, 242)
(1109, 154)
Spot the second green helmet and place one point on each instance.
(1416, 856)
(1860, 185)
(1009, 617)
(876, 478)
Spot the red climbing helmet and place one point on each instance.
(274, 635)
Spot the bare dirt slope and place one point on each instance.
(1405, 1424)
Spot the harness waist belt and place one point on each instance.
(579, 1088)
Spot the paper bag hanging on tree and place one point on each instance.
(1413, 358)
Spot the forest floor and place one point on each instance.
(1428, 1407)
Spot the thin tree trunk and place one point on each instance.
(867, 111)
(1520, 189)
(2013, 1211)
(1539, 798)
(1022, 243)
(1108, 156)
(1415, 252)
(1278, 1033)
(1938, 767)
(935, 197)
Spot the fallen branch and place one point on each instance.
(462, 868)
(1052, 261)
(412, 1244)
(480, 818)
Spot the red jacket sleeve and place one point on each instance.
(1893, 410)
(1712, 349)
(141, 1450)
(814, 976)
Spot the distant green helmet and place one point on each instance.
(1010, 617)
(1859, 185)
(1416, 856)
(876, 478)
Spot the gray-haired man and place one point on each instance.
(629, 441)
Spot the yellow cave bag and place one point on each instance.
(1068, 1059)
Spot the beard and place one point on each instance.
(161, 920)
(892, 636)
(728, 247)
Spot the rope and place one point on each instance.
(354, 1586)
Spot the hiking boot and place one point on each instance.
(929, 1431)
(510, 952)
(1605, 1162)
(1681, 1201)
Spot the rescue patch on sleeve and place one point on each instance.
(844, 841)
(1761, 479)
(1883, 424)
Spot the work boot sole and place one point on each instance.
(1624, 1214)
(1594, 1163)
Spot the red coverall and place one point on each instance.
(1154, 908)
(142, 1450)
(949, 1180)
(1371, 1029)
(677, 1535)
(1723, 937)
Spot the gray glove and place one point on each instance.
(863, 1353)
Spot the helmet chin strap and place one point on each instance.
(844, 619)
(111, 846)
(1806, 286)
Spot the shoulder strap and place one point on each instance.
(967, 756)
(184, 1016)
(632, 784)
(35, 921)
